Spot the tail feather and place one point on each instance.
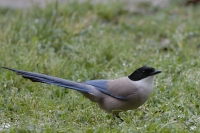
(82, 87)
(35, 77)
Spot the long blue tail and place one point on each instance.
(35, 77)
(82, 87)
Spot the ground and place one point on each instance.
(42, 3)
(86, 41)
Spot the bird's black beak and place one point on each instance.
(155, 72)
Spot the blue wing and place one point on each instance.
(101, 85)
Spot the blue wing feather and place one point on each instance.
(101, 85)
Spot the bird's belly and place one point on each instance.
(112, 104)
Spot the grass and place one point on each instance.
(82, 42)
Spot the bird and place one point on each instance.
(112, 95)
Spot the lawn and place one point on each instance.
(82, 42)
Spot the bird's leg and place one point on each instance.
(119, 118)
(116, 115)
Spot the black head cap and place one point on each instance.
(143, 72)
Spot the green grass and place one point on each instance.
(81, 42)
